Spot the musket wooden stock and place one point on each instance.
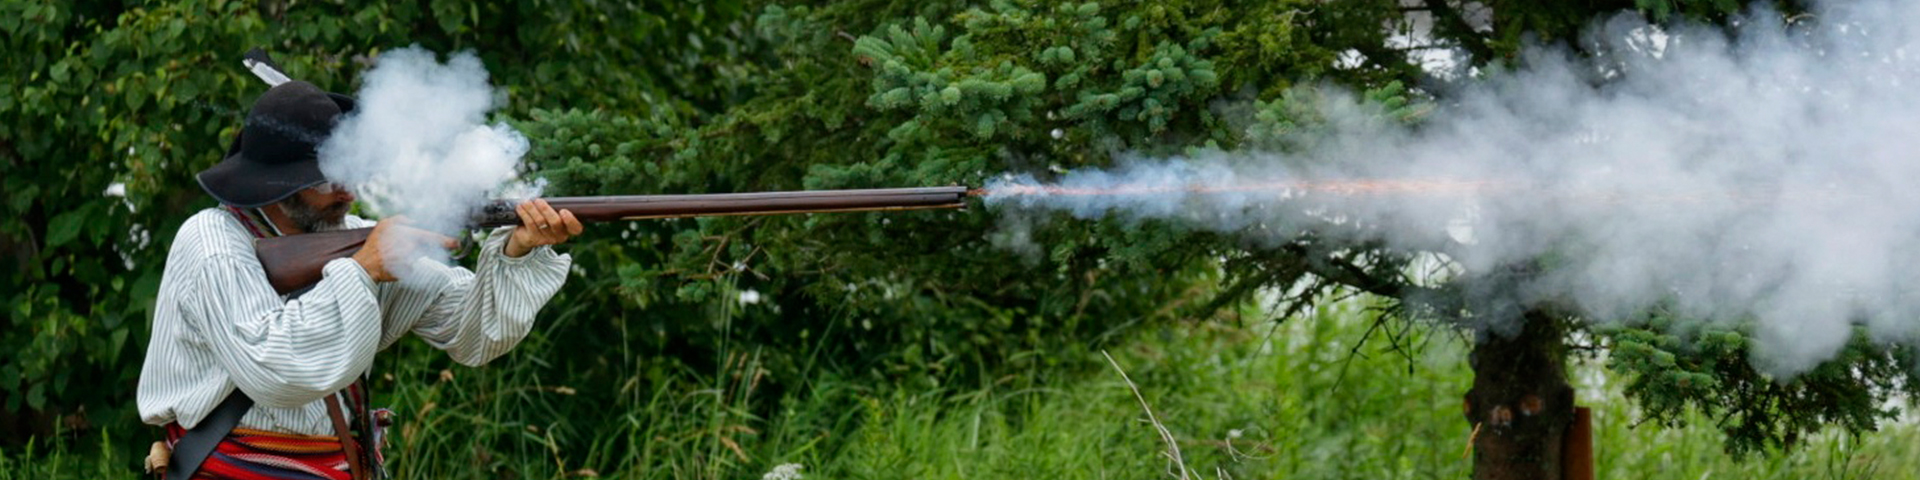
(295, 262)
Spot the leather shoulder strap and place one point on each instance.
(194, 447)
(347, 443)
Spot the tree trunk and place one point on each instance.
(1520, 404)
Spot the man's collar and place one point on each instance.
(256, 221)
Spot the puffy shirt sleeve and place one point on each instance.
(284, 353)
(478, 315)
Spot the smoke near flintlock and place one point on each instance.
(1770, 175)
(418, 143)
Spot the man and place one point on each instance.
(225, 346)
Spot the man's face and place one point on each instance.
(319, 209)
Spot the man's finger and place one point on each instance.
(548, 217)
(524, 210)
(573, 224)
(443, 240)
(530, 216)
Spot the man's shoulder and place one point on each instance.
(210, 221)
(206, 232)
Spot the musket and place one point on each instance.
(294, 262)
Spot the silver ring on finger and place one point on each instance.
(544, 226)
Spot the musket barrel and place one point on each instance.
(295, 262)
(637, 207)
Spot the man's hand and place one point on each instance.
(393, 238)
(540, 225)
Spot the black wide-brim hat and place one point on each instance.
(277, 152)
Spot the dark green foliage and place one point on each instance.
(1294, 122)
(1677, 366)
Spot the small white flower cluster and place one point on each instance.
(786, 471)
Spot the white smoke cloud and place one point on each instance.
(1769, 175)
(418, 143)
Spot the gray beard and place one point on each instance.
(311, 219)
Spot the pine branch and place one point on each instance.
(1448, 18)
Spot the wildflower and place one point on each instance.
(786, 471)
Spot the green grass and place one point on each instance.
(1263, 401)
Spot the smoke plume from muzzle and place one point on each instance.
(1768, 175)
(418, 143)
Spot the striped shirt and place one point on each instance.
(218, 325)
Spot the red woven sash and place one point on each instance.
(248, 454)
